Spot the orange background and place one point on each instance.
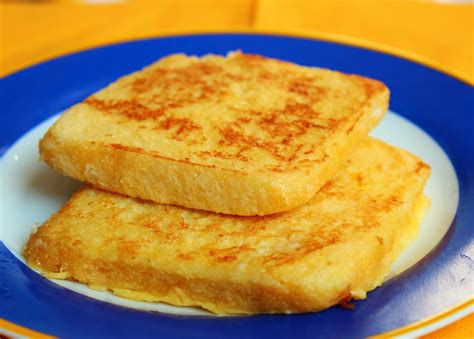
(435, 33)
(438, 33)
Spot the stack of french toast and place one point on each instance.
(239, 184)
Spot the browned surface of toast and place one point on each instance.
(242, 134)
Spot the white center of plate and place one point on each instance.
(31, 192)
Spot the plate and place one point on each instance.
(440, 105)
(34, 184)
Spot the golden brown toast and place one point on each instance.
(337, 246)
(242, 134)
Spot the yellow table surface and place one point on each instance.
(435, 33)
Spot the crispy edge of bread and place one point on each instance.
(136, 173)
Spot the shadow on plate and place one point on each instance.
(53, 185)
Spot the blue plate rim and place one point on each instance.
(295, 33)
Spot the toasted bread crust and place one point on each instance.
(339, 245)
(242, 135)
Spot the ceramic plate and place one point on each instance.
(431, 116)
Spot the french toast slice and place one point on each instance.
(242, 134)
(338, 246)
